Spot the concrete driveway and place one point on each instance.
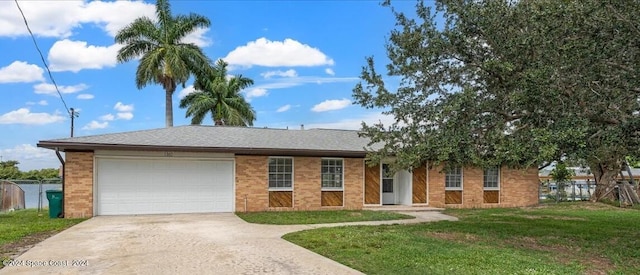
(180, 244)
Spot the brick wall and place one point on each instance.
(78, 185)
(353, 183)
(306, 183)
(517, 188)
(252, 183)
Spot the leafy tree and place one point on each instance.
(516, 83)
(164, 58)
(9, 169)
(561, 175)
(218, 94)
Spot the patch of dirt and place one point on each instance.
(355, 214)
(537, 217)
(566, 254)
(577, 205)
(14, 249)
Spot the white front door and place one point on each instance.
(388, 186)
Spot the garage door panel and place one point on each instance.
(159, 186)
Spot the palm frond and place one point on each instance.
(149, 67)
(186, 24)
(163, 12)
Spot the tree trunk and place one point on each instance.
(605, 174)
(168, 107)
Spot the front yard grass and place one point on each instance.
(565, 238)
(20, 230)
(315, 217)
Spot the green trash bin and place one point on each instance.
(55, 203)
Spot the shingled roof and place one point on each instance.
(240, 140)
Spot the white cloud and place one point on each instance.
(41, 103)
(120, 107)
(329, 71)
(125, 116)
(331, 105)
(197, 37)
(354, 123)
(85, 96)
(31, 157)
(24, 116)
(114, 15)
(107, 117)
(68, 55)
(284, 108)
(95, 125)
(255, 92)
(287, 73)
(50, 89)
(289, 82)
(124, 111)
(60, 18)
(267, 53)
(187, 90)
(21, 72)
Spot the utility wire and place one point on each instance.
(42, 57)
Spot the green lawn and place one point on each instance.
(314, 217)
(27, 227)
(565, 238)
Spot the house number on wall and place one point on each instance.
(168, 154)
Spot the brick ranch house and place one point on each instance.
(191, 169)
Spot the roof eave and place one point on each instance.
(66, 146)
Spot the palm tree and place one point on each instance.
(219, 95)
(165, 59)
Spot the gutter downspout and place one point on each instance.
(63, 177)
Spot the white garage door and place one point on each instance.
(163, 186)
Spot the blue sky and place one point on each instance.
(305, 57)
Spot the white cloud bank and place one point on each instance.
(59, 18)
(186, 91)
(68, 55)
(284, 108)
(287, 73)
(255, 92)
(25, 116)
(93, 125)
(267, 53)
(329, 71)
(354, 123)
(31, 157)
(50, 89)
(331, 105)
(85, 96)
(21, 72)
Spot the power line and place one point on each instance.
(42, 57)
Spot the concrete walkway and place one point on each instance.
(182, 244)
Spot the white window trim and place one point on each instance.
(285, 189)
(492, 188)
(332, 188)
(461, 182)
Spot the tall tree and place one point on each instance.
(164, 58)
(517, 83)
(219, 94)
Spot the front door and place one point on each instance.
(388, 194)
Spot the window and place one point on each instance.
(280, 173)
(491, 178)
(331, 172)
(453, 179)
(387, 179)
